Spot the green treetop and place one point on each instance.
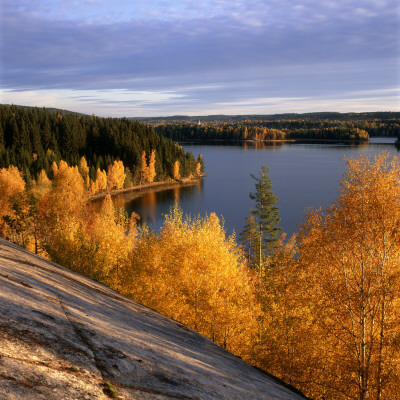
(262, 230)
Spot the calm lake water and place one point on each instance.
(302, 175)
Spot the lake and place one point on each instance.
(302, 174)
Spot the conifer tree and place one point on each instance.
(261, 231)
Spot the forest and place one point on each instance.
(319, 310)
(318, 126)
(33, 138)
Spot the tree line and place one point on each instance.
(33, 138)
(266, 129)
(320, 310)
(314, 116)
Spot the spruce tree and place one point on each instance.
(262, 230)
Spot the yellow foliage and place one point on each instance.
(285, 340)
(60, 210)
(43, 185)
(83, 168)
(11, 183)
(93, 187)
(351, 256)
(144, 168)
(53, 169)
(101, 179)
(108, 245)
(176, 173)
(116, 175)
(198, 169)
(193, 273)
(152, 167)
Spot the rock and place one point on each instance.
(64, 336)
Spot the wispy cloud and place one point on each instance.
(208, 52)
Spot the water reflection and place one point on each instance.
(263, 145)
(154, 203)
(303, 174)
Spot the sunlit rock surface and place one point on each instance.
(63, 336)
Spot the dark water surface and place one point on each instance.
(302, 174)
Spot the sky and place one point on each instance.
(143, 58)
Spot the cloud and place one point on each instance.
(223, 49)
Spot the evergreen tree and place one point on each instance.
(262, 230)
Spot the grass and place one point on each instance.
(110, 391)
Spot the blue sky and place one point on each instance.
(157, 57)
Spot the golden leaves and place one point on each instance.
(11, 183)
(193, 273)
(176, 174)
(148, 172)
(116, 175)
(352, 257)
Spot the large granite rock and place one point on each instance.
(64, 336)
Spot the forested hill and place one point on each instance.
(316, 116)
(32, 138)
(314, 126)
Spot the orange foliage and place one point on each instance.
(84, 169)
(194, 274)
(116, 175)
(145, 168)
(152, 167)
(176, 173)
(43, 185)
(101, 179)
(11, 183)
(198, 169)
(351, 256)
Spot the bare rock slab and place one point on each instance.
(64, 336)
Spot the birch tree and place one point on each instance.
(352, 256)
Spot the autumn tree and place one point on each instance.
(151, 173)
(22, 224)
(43, 185)
(262, 230)
(198, 169)
(176, 174)
(286, 338)
(11, 183)
(106, 243)
(193, 273)
(199, 165)
(116, 175)
(351, 254)
(60, 213)
(101, 179)
(53, 170)
(144, 168)
(84, 170)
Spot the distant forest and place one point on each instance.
(32, 138)
(315, 126)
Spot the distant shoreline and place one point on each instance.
(267, 141)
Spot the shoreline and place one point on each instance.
(148, 187)
(266, 141)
